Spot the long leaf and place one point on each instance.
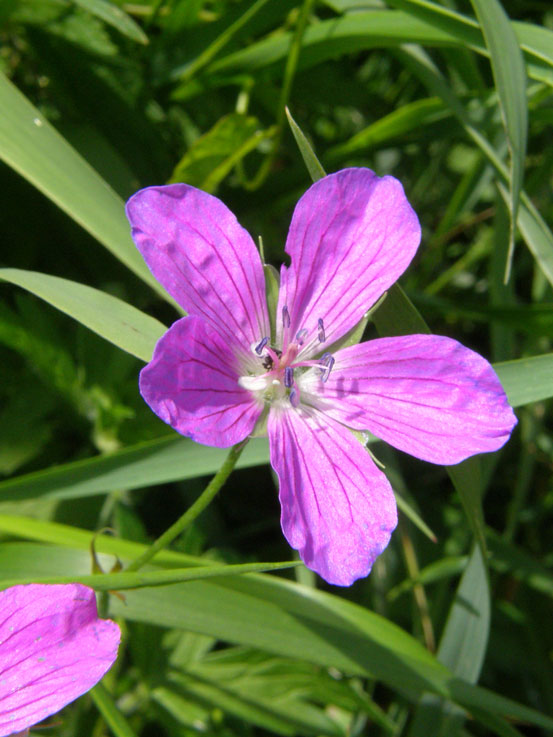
(365, 30)
(115, 17)
(462, 649)
(537, 235)
(31, 146)
(122, 324)
(283, 618)
(157, 461)
(510, 80)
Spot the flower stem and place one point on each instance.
(190, 515)
(289, 73)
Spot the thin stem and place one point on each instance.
(289, 74)
(418, 589)
(220, 42)
(190, 515)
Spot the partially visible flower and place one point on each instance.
(53, 648)
(217, 372)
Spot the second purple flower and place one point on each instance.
(216, 373)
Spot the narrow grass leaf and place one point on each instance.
(510, 80)
(143, 579)
(283, 618)
(364, 30)
(115, 17)
(462, 649)
(122, 324)
(111, 713)
(415, 115)
(171, 458)
(527, 380)
(537, 235)
(311, 161)
(31, 146)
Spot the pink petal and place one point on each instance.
(54, 648)
(196, 248)
(338, 509)
(192, 384)
(424, 394)
(352, 235)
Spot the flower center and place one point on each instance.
(279, 369)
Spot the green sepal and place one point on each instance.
(314, 166)
(272, 285)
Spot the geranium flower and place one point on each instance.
(215, 373)
(53, 648)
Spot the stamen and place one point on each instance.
(322, 336)
(301, 335)
(288, 377)
(294, 398)
(328, 362)
(261, 345)
(285, 317)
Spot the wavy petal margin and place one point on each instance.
(338, 509)
(352, 236)
(425, 394)
(54, 648)
(197, 250)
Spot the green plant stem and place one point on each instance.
(289, 74)
(196, 509)
(220, 42)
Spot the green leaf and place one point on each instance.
(462, 649)
(537, 235)
(213, 156)
(506, 557)
(313, 165)
(123, 325)
(272, 287)
(31, 146)
(115, 17)
(282, 617)
(144, 579)
(108, 709)
(413, 116)
(510, 80)
(527, 380)
(364, 30)
(463, 644)
(159, 461)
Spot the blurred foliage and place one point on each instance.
(151, 91)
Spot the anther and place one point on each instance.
(288, 377)
(285, 317)
(261, 345)
(294, 398)
(301, 335)
(322, 336)
(327, 362)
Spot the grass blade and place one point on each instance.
(510, 80)
(122, 324)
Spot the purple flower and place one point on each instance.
(53, 648)
(216, 373)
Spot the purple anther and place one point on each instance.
(285, 317)
(261, 345)
(301, 335)
(329, 363)
(288, 377)
(322, 336)
(294, 398)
